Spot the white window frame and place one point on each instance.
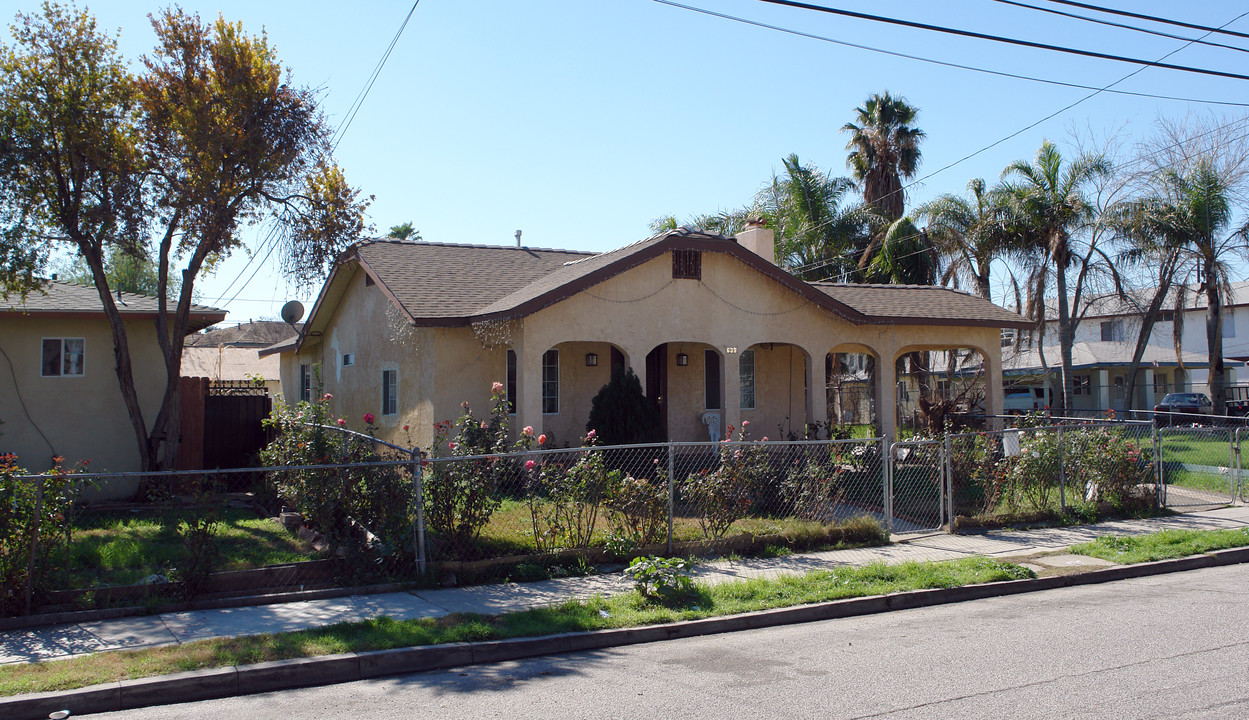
(305, 382)
(746, 377)
(63, 357)
(349, 359)
(550, 382)
(390, 391)
(1229, 323)
(1082, 385)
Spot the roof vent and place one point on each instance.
(517, 238)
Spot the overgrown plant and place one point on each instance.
(35, 517)
(724, 495)
(638, 507)
(198, 532)
(812, 490)
(462, 495)
(564, 501)
(661, 579)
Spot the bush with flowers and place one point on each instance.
(337, 501)
(461, 496)
(722, 496)
(564, 500)
(638, 507)
(35, 517)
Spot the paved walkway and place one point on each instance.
(63, 641)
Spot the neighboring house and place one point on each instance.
(232, 354)
(1101, 370)
(1109, 328)
(715, 331)
(59, 393)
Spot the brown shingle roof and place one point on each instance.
(921, 304)
(432, 280)
(70, 300)
(256, 334)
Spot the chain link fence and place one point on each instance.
(540, 513)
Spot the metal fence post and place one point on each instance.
(1236, 483)
(1062, 472)
(948, 487)
(886, 477)
(418, 482)
(1162, 485)
(671, 494)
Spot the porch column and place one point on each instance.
(817, 388)
(1103, 389)
(993, 392)
(1149, 389)
(887, 394)
(732, 400)
(529, 387)
(636, 361)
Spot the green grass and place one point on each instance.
(1162, 545)
(629, 610)
(120, 548)
(1196, 448)
(1196, 480)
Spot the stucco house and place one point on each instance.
(715, 331)
(59, 393)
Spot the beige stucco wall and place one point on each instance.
(82, 417)
(733, 308)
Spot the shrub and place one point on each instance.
(622, 415)
(336, 501)
(35, 515)
(663, 579)
(638, 508)
(722, 496)
(564, 501)
(812, 490)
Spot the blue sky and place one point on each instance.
(580, 122)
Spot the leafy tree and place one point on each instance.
(404, 232)
(125, 272)
(209, 136)
(818, 235)
(1049, 206)
(884, 150)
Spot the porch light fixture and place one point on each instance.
(683, 359)
(591, 359)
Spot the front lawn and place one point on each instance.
(1162, 545)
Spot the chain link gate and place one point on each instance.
(1199, 467)
(916, 486)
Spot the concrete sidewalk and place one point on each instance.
(64, 641)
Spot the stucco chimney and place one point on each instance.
(758, 239)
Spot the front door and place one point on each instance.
(657, 382)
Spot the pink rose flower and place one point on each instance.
(765, 438)
(342, 422)
(451, 446)
(529, 464)
(591, 435)
(369, 418)
(484, 425)
(542, 439)
(497, 388)
(528, 431)
(405, 428)
(745, 424)
(327, 396)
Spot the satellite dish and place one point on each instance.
(292, 312)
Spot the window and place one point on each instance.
(63, 357)
(711, 379)
(349, 359)
(943, 389)
(390, 392)
(1083, 385)
(1112, 331)
(1229, 327)
(746, 365)
(550, 382)
(305, 382)
(511, 382)
(1160, 384)
(687, 265)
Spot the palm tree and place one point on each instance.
(884, 149)
(405, 232)
(817, 237)
(1048, 205)
(969, 232)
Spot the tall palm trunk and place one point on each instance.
(1214, 336)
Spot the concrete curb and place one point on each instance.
(349, 667)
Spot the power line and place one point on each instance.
(958, 66)
(1002, 39)
(1124, 26)
(1152, 18)
(377, 70)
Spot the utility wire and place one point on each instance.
(942, 63)
(1119, 25)
(377, 70)
(1151, 18)
(1002, 39)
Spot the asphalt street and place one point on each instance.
(1161, 647)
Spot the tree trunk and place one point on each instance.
(1214, 338)
(1150, 317)
(1065, 335)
